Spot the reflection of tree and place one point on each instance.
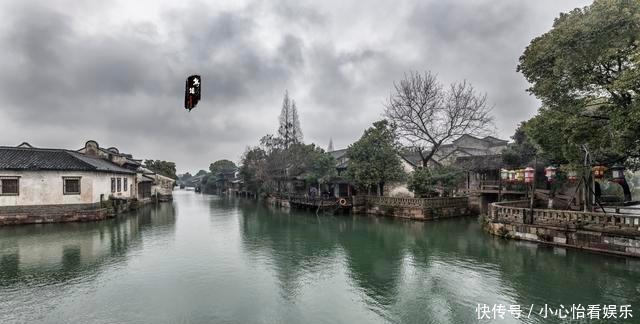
(61, 252)
(300, 243)
(375, 251)
(437, 269)
(522, 273)
(295, 242)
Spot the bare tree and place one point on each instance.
(426, 116)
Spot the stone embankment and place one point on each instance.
(600, 232)
(39, 214)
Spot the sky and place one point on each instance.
(114, 71)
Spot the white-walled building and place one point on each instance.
(34, 176)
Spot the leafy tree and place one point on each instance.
(426, 182)
(317, 165)
(165, 168)
(585, 71)
(373, 160)
(201, 172)
(521, 151)
(253, 170)
(221, 165)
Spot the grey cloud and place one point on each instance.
(123, 85)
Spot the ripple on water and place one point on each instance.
(206, 259)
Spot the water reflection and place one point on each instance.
(60, 252)
(444, 269)
(207, 259)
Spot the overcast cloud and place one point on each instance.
(114, 71)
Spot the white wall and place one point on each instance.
(46, 187)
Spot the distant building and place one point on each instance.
(463, 146)
(461, 152)
(147, 183)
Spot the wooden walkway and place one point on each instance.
(306, 202)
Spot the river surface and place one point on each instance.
(206, 259)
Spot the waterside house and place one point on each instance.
(54, 185)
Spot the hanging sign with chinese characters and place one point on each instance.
(192, 92)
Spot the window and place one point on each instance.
(119, 184)
(113, 184)
(71, 186)
(125, 184)
(9, 186)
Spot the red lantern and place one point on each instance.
(550, 173)
(598, 171)
(529, 174)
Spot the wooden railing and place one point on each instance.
(439, 202)
(517, 212)
(489, 184)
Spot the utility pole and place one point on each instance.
(587, 180)
(533, 184)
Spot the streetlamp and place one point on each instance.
(550, 173)
(617, 172)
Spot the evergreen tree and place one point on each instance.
(289, 131)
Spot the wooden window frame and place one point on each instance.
(125, 184)
(17, 178)
(113, 185)
(119, 184)
(64, 186)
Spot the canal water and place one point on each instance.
(205, 259)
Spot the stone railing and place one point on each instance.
(439, 202)
(518, 212)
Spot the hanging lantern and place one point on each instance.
(529, 174)
(572, 175)
(598, 171)
(512, 175)
(617, 173)
(550, 173)
(520, 175)
(504, 174)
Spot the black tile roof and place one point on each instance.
(32, 159)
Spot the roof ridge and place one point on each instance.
(81, 161)
(31, 148)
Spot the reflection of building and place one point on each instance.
(76, 249)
